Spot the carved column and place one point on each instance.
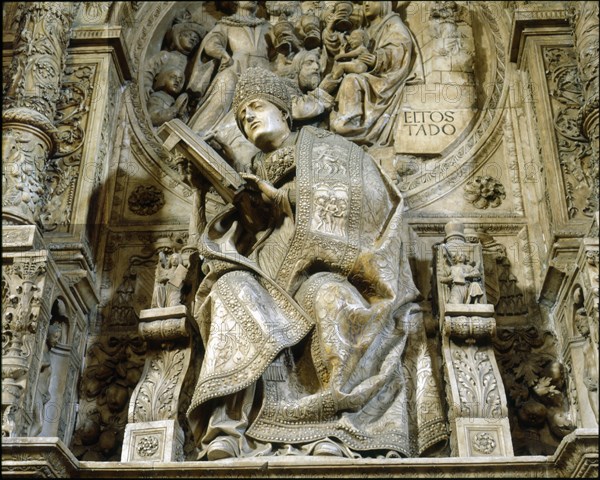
(28, 109)
(583, 333)
(478, 410)
(586, 31)
(29, 105)
(28, 279)
(153, 432)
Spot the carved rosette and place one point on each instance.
(29, 105)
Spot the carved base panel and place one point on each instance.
(159, 441)
(576, 457)
(483, 437)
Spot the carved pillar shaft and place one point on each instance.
(28, 282)
(153, 432)
(29, 105)
(586, 31)
(478, 408)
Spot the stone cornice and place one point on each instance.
(105, 36)
(526, 22)
(576, 456)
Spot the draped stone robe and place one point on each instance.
(321, 311)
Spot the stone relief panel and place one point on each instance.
(63, 169)
(180, 68)
(574, 149)
(536, 384)
(187, 36)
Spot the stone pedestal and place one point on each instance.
(478, 411)
(159, 441)
(153, 432)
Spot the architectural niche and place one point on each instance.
(400, 279)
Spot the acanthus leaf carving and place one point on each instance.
(477, 383)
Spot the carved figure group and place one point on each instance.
(464, 280)
(368, 102)
(367, 57)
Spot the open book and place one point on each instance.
(177, 136)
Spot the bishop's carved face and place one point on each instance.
(265, 124)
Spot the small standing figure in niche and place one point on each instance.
(166, 102)
(349, 61)
(170, 277)
(475, 290)
(590, 352)
(464, 280)
(43, 388)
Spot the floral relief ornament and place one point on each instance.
(146, 200)
(484, 192)
(484, 443)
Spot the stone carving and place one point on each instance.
(155, 404)
(257, 303)
(484, 443)
(166, 100)
(25, 284)
(146, 200)
(181, 41)
(574, 149)
(535, 385)
(64, 167)
(484, 192)
(476, 393)
(30, 102)
(113, 370)
(122, 311)
(169, 281)
(237, 42)
(585, 28)
(148, 446)
(348, 61)
(368, 117)
(39, 57)
(310, 103)
(450, 40)
(464, 279)
(585, 327)
(43, 187)
(43, 393)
